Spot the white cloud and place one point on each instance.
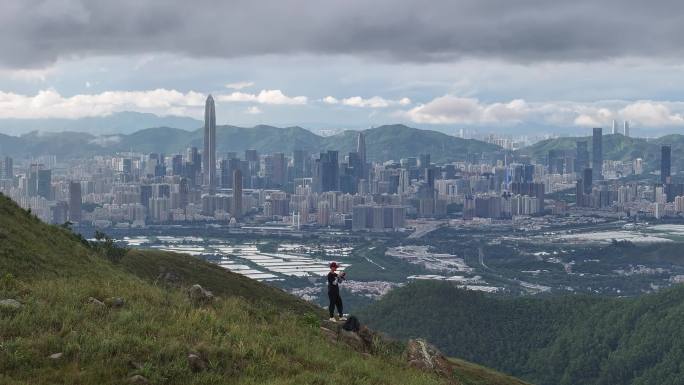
(373, 102)
(253, 110)
(330, 100)
(239, 85)
(652, 113)
(594, 117)
(50, 104)
(404, 101)
(263, 97)
(450, 109)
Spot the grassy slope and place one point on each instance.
(248, 336)
(149, 264)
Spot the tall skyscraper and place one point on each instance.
(587, 180)
(614, 130)
(177, 164)
(279, 169)
(184, 192)
(424, 161)
(327, 172)
(597, 153)
(209, 154)
(251, 155)
(582, 156)
(8, 168)
(236, 208)
(361, 147)
(44, 184)
(227, 168)
(665, 164)
(363, 160)
(75, 201)
(298, 163)
(625, 128)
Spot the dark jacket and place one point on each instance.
(334, 281)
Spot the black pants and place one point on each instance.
(335, 301)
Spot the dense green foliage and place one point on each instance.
(383, 143)
(547, 340)
(251, 334)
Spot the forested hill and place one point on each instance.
(615, 147)
(383, 143)
(565, 340)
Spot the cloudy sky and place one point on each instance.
(491, 65)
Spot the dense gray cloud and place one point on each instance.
(35, 33)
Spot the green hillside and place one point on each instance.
(560, 340)
(70, 328)
(399, 141)
(383, 143)
(615, 147)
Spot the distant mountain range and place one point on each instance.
(616, 147)
(85, 137)
(117, 123)
(383, 143)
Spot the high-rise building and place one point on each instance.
(363, 160)
(7, 168)
(638, 165)
(665, 164)
(209, 154)
(587, 180)
(236, 209)
(44, 184)
(614, 128)
(58, 212)
(145, 195)
(323, 213)
(298, 163)
(227, 168)
(32, 179)
(429, 176)
(424, 161)
(625, 128)
(528, 173)
(579, 192)
(177, 164)
(361, 147)
(192, 166)
(328, 172)
(582, 156)
(279, 175)
(597, 153)
(251, 155)
(75, 201)
(184, 193)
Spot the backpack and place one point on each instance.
(352, 324)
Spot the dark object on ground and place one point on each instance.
(352, 324)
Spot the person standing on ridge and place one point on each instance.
(334, 280)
